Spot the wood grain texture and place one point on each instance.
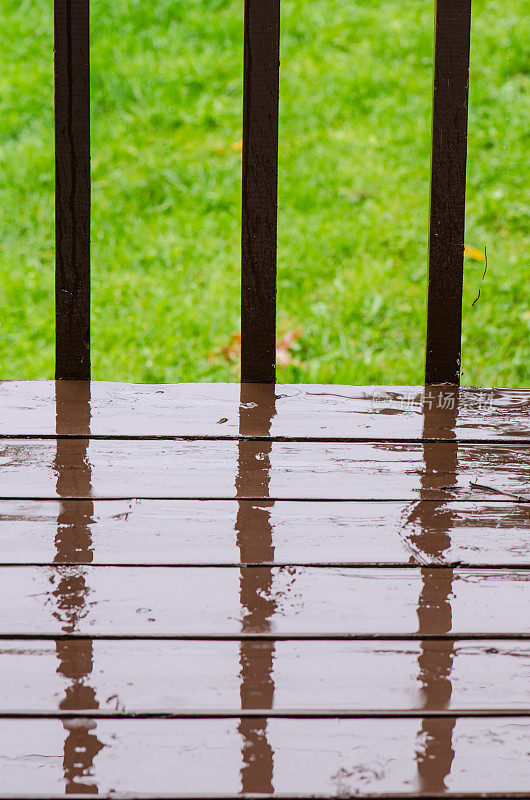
(82, 468)
(320, 676)
(260, 182)
(267, 531)
(276, 757)
(302, 411)
(448, 188)
(284, 601)
(72, 189)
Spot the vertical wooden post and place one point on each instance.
(448, 188)
(260, 184)
(72, 189)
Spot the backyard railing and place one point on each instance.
(259, 201)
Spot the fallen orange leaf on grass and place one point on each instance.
(283, 347)
(473, 252)
(231, 352)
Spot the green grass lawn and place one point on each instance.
(356, 82)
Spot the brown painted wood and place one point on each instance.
(257, 469)
(290, 601)
(236, 652)
(43, 408)
(287, 677)
(260, 182)
(294, 532)
(297, 758)
(72, 189)
(448, 189)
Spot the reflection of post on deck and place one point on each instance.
(73, 543)
(434, 522)
(254, 540)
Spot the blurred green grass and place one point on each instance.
(356, 81)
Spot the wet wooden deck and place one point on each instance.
(215, 591)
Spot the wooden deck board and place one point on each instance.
(277, 532)
(305, 758)
(218, 602)
(224, 591)
(253, 469)
(300, 676)
(71, 408)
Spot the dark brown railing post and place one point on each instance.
(260, 184)
(448, 188)
(72, 189)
